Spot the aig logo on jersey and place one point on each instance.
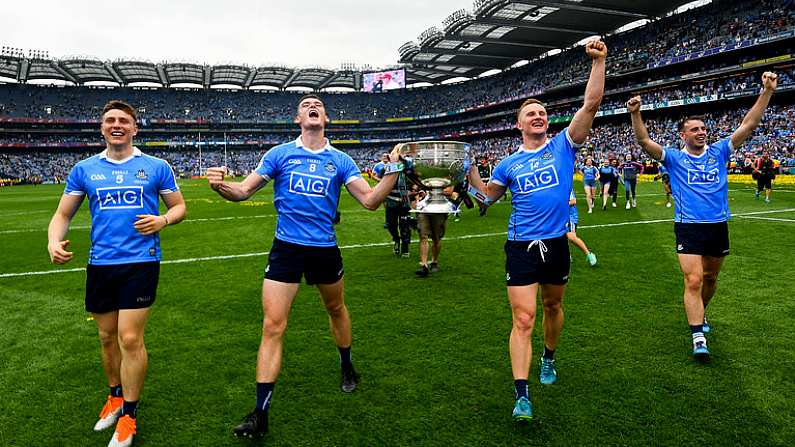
(121, 197)
(696, 177)
(543, 178)
(308, 185)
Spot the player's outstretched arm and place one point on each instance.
(754, 116)
(234, 191)
(371, 198)
(594, 91)
(485, 194)
(149, 224)
(651, 147)
(59, 225)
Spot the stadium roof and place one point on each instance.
(496, 34)
(499, 33)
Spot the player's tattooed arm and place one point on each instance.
(486, 194)
(641, 133)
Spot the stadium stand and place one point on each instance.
(45, 129)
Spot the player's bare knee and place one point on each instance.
(523, 322)
(553, 306)
(273, 327)
(131, 341)
(336, 309)
(108, 339)
(694, 281)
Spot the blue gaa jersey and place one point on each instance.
(699, 183)
(574, 216)
(540, 182)
(306, 190)
(118, 191)
(589, 173)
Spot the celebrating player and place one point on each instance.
(699, 182)
(123, 186)
(630, 170)
(308, 174)
(539, 176)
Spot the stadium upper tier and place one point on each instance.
(719, 27)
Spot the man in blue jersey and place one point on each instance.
(630, 170)
(699, 183)
(539, 176)
(308, 174)
(123, 187)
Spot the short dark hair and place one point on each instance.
(117, 104)
(308, 96)
(684, 121)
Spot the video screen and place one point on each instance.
(383, 80)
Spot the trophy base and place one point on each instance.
(436, 208)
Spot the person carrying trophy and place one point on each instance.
(539, 176)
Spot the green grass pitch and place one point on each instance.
(432, 352)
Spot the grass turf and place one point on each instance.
(432, 352)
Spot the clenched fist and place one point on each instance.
(215, 176)
(596, 49)
(769, 80)
(633, 105)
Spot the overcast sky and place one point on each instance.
(293, 33)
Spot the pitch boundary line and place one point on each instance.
(382, 244)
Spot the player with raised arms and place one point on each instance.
(699, 182)
(123, 187)
(308, 174)
(540, 176)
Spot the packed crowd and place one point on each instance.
(724, 21)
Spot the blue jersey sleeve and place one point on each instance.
(75, 183)
(268, 166)
(500, 173)
(168, 183)
(348, 170)
(725, 149)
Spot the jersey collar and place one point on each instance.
(136, 153)
(533, 151)
(300, 143)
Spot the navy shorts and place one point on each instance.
(122, 286)
(527, 263)
(705, 239)
(287, 262)
(589, 183)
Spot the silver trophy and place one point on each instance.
(434, 166)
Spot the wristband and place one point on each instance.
(391, 168)
(479, 196)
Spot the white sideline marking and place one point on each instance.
(775, 219)
(384, 244)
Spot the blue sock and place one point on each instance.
(549, 354)
(130, 409)
(345, 357)
(115, 391)
(695, 328)
(521, 389)
(264, 393)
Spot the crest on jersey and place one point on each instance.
(330, 167)
(711, 160)
(141, 175)
(547, 155)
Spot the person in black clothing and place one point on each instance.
(764, 173)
